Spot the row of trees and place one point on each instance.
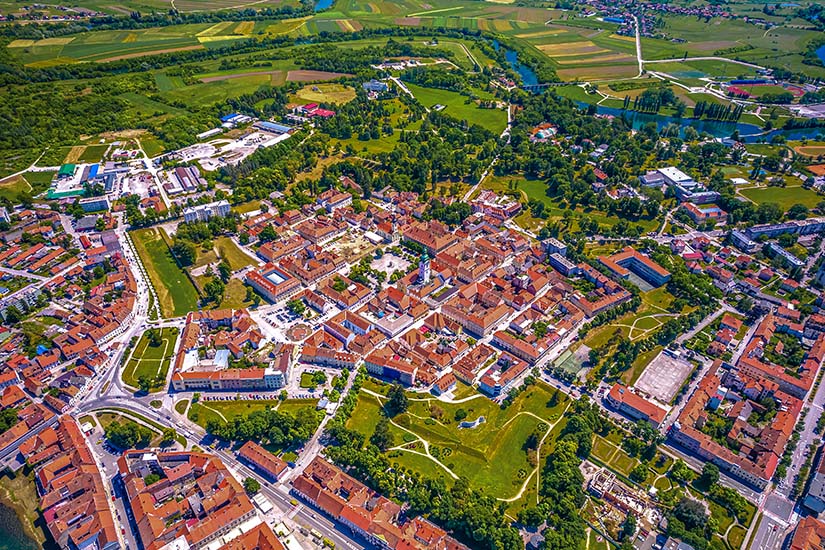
(275, 427)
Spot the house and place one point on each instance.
(262, 460)
(368, 514)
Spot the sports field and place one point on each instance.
(176, 293)
(785, 197)
(151, 361)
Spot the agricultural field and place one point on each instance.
(152, 362)
(176, 293)
(8, 7)
(428, 438)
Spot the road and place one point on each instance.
(108, 391)
(639, 59)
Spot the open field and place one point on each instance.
(12, 187)
(785, 197)
(325, 93)
(461, 107)
(151, 361)
(176, 293)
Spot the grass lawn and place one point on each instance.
(461, 107)
(785, 197)
(181, 406)
(722, 516)
(366, 415)
(150, 361)
(623, 463)
(93, 153)
(176, 293)
(490, 455)
(234, 296)
(246, 207)
(736, 536)
(229, 251)
(307, 380)
(11, 188)
(107, 418)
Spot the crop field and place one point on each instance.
(785, 197)
(490, 455)
(102, 46)
(460, 107)
(176, 293)
(151, 361)
(781, 46)
(146, 6)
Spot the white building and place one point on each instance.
(205, 212)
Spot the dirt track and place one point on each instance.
(312, 76)
(238, 75)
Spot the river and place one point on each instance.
(528, 77)
(748, 133)
(323, 4)
(12, 534)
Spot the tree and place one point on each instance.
(169, 437)
(13, 315)
(128, 434)
(639, 473)
(151, 478)
(214, 290)
(224, 271)
(382, 437)
(396, 400)
(145, 383)
(251, 485)
(184, 252)
(798, 212)
(296, 306)
(628, 527)
(692, 513)
(710, 475)
(681, 473)
(268, 234)
(153, 335)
